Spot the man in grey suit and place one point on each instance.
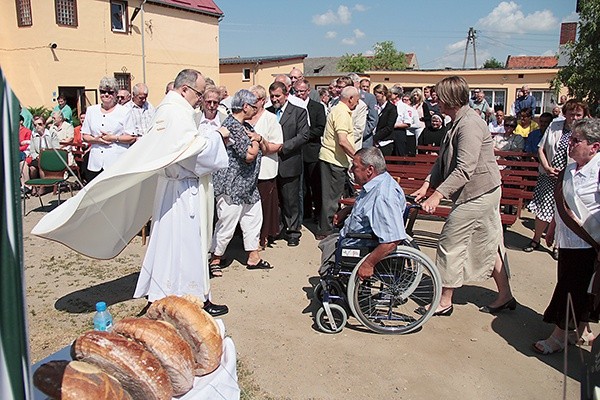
(372, 115)
(294, 124)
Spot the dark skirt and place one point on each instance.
(575, 269)
(270, 208)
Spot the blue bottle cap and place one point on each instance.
(100, 306)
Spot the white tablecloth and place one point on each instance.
(218, 385)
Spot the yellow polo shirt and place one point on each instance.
(339, 122)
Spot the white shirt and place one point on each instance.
(117, 122)
(581, 190)
(495, 128)
(268, 127)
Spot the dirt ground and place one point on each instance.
(469, 355)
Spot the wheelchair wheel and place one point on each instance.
(403, 281)
(331, 326)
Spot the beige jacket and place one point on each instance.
(466, 167)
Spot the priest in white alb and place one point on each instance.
(166, 175)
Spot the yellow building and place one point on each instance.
(65, 47)
(242, 72)
(499, 85)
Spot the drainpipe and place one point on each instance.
(143, 43)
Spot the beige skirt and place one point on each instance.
(470, 239)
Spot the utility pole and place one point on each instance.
(470, 39)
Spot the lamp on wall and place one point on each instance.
(52, 45)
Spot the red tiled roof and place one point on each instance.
(527, 62)
(201, 6)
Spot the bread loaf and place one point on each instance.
(162, 339)
(138, 370)
(196, 326)
(48, 377)
(77, 380)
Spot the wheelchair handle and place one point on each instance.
(413, 202)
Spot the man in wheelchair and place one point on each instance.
(375, 219)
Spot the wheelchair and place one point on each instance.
(385, 303)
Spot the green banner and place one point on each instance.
(15, 382)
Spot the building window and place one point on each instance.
(24, 13)
(66, 12)
(246, 74)
(118, 16)
(123, 80)
(495, 98)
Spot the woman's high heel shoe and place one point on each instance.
(511, 305)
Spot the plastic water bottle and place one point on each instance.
(102, 320)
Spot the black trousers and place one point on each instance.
(290, 202)
(312, 189)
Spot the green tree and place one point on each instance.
(387, 58)
(354, 63)
(492, 63)
(580, 76)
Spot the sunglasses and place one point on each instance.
(39, 124)
(109, 92)
(510, 126)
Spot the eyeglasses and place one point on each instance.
(109, 92)
(378, 92)
(211, 102)
(253, 106)
(199, 94)
(121, 97)
(39, 124)
(574, 141)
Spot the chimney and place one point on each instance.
(568, 32)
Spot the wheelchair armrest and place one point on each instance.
(360, 236)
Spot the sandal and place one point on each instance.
(531, 247)
(214, 269)
(262, 264)
(544, 347)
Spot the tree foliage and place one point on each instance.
(492, 63)
(354, 63)
(385, 58)
(580, 76)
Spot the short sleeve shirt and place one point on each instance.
(339, 122)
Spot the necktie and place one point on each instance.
(278, 113)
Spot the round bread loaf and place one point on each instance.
(162, 339)
(77, 380)
(196, 326)
(138, 370)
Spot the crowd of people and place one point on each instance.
(289, 153)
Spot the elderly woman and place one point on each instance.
(266, 125)
(507, 140)
(470, 246)
(578, 193)
(433, 134)
(388, 113)
(526, 123)
(236, 187)
(552, 153)
(108, 128)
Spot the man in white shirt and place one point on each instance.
(497, 125)
(142, 111)
(210, 114)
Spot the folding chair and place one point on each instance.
(53, 164)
